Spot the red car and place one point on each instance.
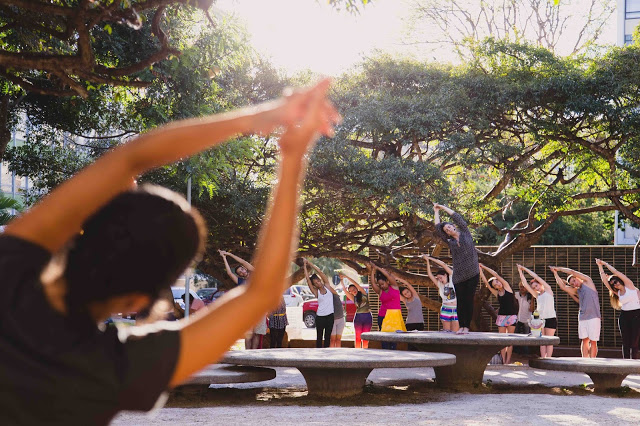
(310, 307)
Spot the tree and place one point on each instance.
(517, 130)
(73, 48)
(569, 26)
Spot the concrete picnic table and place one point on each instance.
(473, 351)
(220, 374)
(606, 373)
(336, 372)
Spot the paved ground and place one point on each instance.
(510, 395)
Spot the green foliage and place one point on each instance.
(7, 203)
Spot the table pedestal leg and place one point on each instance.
(604, 381)
(468, 371)
(335, 383)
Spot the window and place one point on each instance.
(632, 9)
(628, 39)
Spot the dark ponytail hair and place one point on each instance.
(140, 242)
(381, 276)
(358, 296)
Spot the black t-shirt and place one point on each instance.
(51, 373)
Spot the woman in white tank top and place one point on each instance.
(624, 296)
(321, 288)
(545, 305)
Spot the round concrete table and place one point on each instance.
(606, 373)
(473, 351)
(220, 374)
(336, 372)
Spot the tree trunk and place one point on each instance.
(5, 132)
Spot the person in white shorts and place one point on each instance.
(589, 318)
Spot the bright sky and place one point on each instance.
(308, 34)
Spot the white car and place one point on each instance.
(303, 291)
(292, 297)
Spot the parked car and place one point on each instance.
(303, 291)
(209, 294)
(292, 298)
(310, 307)
(178, 292)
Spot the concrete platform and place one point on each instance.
(606, 373)
(473, 351)
(224, 374)
(336, 372)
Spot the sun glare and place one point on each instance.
(304, 34)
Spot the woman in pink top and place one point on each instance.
(390, 313)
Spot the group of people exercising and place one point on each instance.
(457, 285)
(98, 244)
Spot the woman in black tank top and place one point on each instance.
(508, 311)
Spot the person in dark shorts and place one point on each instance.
(545, 302)
(96, 245)
(508, 311)
(464, 262)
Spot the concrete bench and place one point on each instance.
(606, 373)
(473, 351)
(336, 372)
(220, 374)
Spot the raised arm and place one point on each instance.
(241, 261)
(603, 276)
(372, 278)
(455, 217)
(346, 290)
(405, 283)
(438, 262)
(322, 275)
(59, 216)
(562, 283)
(524, 283)
(227, 267)
(505, 283)
(312, 287)
(586, 279)
(354, 282)
(625, 280)
(241, 308)
(392, 279)
(486, 283)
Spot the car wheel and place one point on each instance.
(309, 319)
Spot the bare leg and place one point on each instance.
(593, 350)
(455, 326)
(584, 348)
(503, 351)
(446, 325)
(509, 350)
(337, 340)
(548, 348)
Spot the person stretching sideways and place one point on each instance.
(466, 271)
(508, 311)
(589, 319)
(624, 296)
(321, 288)
(390, 312)
(253, 338)
(96, 245)
(363, 321)
(442, 279)
(543, 293)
